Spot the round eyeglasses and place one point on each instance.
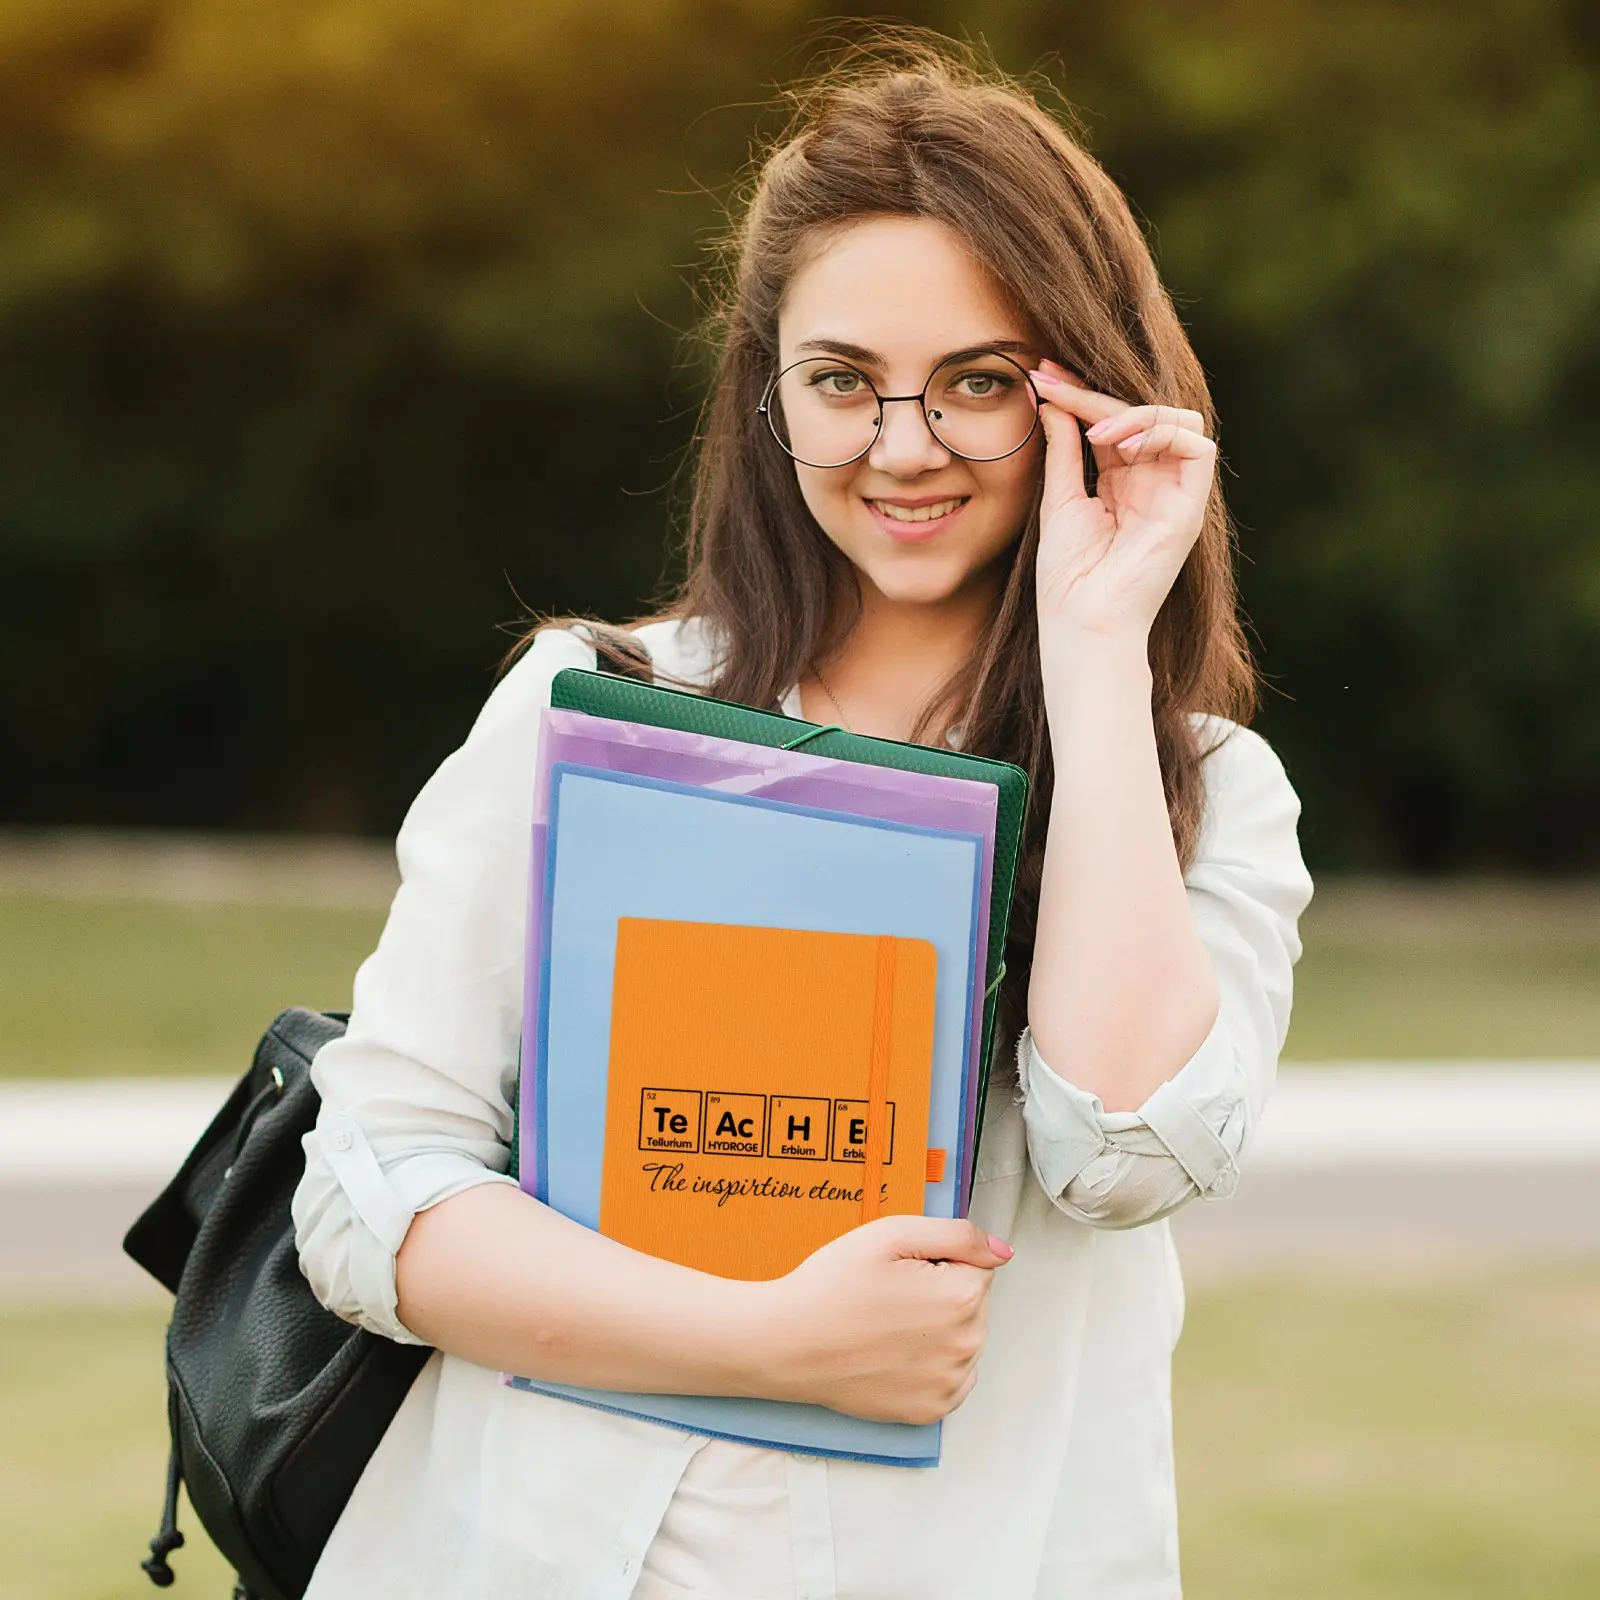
(979, 405)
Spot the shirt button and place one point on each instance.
(341, 1139)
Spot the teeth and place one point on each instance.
(918, 513)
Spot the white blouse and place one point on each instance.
(1056, 1477)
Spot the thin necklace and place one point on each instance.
(844, 721)
(952, 737)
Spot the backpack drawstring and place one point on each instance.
(168, 1539)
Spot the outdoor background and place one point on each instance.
(328, 328)
(336, 335)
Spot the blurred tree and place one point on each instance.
(324, 324)
(326, 330)
(1383, 221)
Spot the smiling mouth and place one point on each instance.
(928, 513)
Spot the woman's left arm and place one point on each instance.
(1159, 1004)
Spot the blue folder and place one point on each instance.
(620, 845)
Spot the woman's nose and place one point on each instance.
(905, 444)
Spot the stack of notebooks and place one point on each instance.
(763, 959)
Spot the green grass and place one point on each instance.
(1372, 1001)
(106, 987)
(1368, 1443)
(92, 988)
(83, 1460)
(1335, 1442)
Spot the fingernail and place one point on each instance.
(1133, 443)
(1100, 429)
(1040, 376)
(1001, 1248)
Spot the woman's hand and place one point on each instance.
(887, 1321)
(1106, 561)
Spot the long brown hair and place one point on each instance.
(909, 124)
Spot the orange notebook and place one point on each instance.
(767, 1090)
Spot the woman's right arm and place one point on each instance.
(408, 1222)
(887, 1321)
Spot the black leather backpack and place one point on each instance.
(275, 1404)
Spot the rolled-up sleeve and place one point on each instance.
(1247, 888)
(417, 1095)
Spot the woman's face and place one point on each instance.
(894, 296)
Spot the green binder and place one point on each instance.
(622, 699)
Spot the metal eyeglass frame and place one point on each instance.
(765, 408)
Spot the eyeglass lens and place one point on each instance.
(826, 413)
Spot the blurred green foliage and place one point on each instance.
(329, 328)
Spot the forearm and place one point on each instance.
(1122, 991)
(504, 1281)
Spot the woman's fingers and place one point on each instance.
(1109, 420)
(1129, 435)
(1060, 390)
(1063, 461)
(1168, 439)
(1143, 419)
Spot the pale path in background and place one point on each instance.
(1456, 1161)
(1410, 1115)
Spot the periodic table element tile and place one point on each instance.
(669, 1120)
(850, 1131)
(798, 1129)
(736, 1124)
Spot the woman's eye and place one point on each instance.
(982, 385)
(839, 383)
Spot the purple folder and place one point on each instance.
(731, 766)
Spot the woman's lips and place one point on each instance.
(907, 530)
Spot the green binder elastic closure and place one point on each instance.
(627, 700)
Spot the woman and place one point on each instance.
(938, 303)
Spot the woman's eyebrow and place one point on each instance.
(843, 349)
(871, 358)
(999, 347)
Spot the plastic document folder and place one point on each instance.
(730, 766)
(626, 847)
(818, 966)
(627, 700)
